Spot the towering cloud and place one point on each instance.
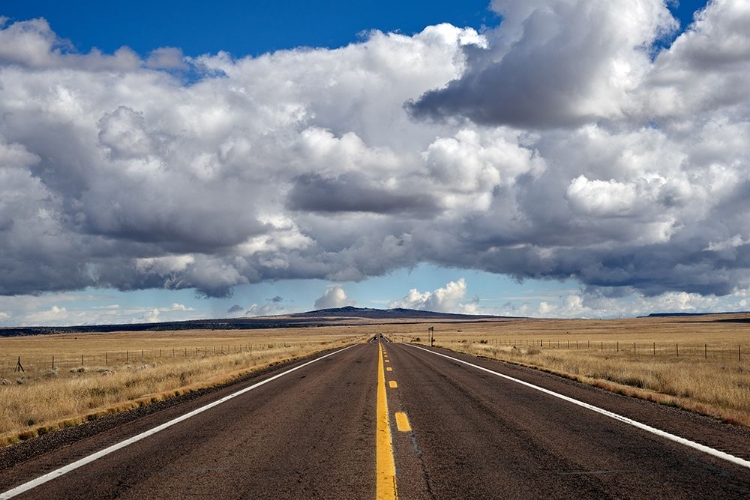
(562, 144)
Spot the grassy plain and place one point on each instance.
(700, 363)
(71, 378)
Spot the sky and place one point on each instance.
(163, 161)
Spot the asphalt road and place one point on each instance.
(461, 433)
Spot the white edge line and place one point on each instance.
(99, 454)
(692, 444)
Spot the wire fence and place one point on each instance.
(691, 350)
(14, 365)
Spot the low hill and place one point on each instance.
(397, 313)
(337, 316)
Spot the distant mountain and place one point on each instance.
(678, 314)
(337, 316)
(397, 313)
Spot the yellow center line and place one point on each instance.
(392, 384)
(402, 422)
(385, 487)
(389, 369)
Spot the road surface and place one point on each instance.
(381, 420)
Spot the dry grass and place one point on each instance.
(43, 398)
(696, 363)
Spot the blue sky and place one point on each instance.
(316, 243)
(242, 28)
(252, 28)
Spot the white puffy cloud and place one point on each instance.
(89, 307)
(333, 297)
(54, 315)
(267, 309)
(600, 198)
(704, 69)
(555, 63)
(447, 299)
(563, 144)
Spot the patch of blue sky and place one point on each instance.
(239, 27)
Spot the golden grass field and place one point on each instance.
(694, 362)
(96, 374)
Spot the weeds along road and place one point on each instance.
(450, 430)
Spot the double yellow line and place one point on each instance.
(386, 465)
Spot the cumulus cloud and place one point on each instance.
(91, 307)
(333, 297)
(563, 144)
(264, 309)
(448, 299)
(554, 63)
(273, 306)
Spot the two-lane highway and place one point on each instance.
(385, 419)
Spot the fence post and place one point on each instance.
(654, 348)
(53, 361)
(677, 349)
(705, 351)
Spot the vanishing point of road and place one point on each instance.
(389, 420)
